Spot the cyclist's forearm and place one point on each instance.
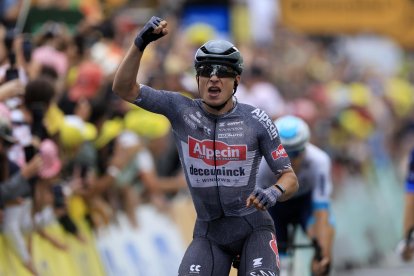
(289, 182)
(125, 84)
(408, 212)
(324, 232)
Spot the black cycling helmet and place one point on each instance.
(219, 52)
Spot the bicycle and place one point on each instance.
(288, 260)
(293, 263)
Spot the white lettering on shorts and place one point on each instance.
(262, 273)
(195, 269)
(257, 262)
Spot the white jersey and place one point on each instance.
(314, 175)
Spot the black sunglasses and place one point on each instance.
(221, 71)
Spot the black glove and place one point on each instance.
(146, 35)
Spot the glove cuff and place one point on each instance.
(140, 43)
(276, 192)
(273, 194)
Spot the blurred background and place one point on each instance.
(345, 66)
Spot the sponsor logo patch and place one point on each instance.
(222, 152)
(189, 122)
(279, 152)
(266, 121)
(237, 123)
(229, 135)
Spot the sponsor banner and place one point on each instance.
(50, 260)
(341, 16)
(4, 262)
(403, 31)
(155, 248)
(85, 256)
(215, 16)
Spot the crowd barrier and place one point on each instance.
(78, 259)
(154, 248)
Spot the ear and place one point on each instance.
(237, 80)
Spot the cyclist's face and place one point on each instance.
(216, 84)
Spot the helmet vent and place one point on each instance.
(227, 52)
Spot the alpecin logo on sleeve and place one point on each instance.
(266, 121)
(223, 153)
(279, 152)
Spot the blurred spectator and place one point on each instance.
(16, 184)
(44, 197)
(38, 97)
(88, 82)
(9, 11)
(50, 51)
(107, 52)
(263, 16)
(14, 56)
(156, 135)
(16, 189)
(257, 90)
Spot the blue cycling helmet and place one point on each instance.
(293, 131)
(219, 52)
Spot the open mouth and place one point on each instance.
(214, 91)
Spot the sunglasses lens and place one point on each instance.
(204, 71)
(220, 71)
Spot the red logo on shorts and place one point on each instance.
(273, 245)
(279, 152)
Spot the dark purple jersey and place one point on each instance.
(220, 154)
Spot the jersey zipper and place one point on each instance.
(215, 167)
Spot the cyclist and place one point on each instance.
(406, 247)
(310, 206)
(220, 143)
